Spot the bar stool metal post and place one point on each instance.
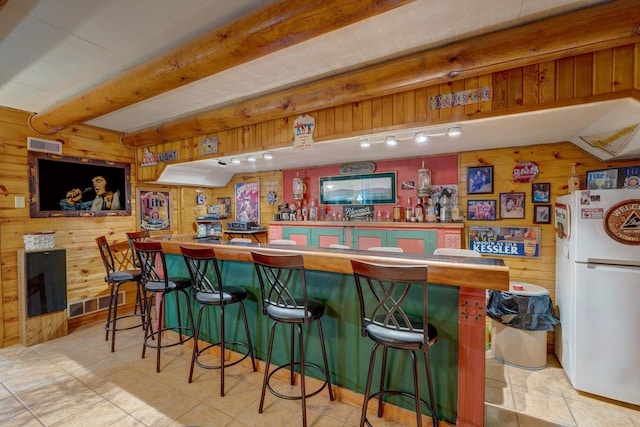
(157, 282)
(115, 279)
(206, 282)
(385, 294)
(278, 275)
(134, 236)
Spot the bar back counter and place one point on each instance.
(457, 306)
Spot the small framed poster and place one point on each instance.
(541, 192)
(511, 205)
(481, 210)
(480, 180)
(542, 214)
(155, 209)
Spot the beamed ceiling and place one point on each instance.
(162, 70)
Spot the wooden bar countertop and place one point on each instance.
(475, 273)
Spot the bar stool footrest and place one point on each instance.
(108, 325)
(400, 393)
(176, 329)
(226, 365)
(298, 397)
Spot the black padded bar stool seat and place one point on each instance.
(210, 291)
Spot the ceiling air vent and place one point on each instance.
(44, 145)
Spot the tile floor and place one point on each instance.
(75, 381)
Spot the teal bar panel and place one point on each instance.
(348, 351)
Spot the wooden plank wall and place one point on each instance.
(601, 75)
(85, 271)
(595, 76)
(191, 209)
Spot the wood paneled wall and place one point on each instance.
(191, 209)
(554, 162)
(595, 76)
(85, 272)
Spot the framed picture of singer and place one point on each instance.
(65, 186)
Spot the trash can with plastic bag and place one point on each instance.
(521, 318)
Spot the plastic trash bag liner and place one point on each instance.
(528, 312)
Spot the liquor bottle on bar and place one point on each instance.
(445, 213)
(305, 211)
(431, 210)
(313, 211)
(455, 211)
(419, 211)
(408, 211)
(436, 209)
(397, 212)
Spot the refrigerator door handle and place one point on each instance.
(595, 262)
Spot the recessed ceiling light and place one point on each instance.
(364, 143)
(235, 161)
(267, 156)
(251, 159)
(454, 131)
(391, 141)
(421, 137)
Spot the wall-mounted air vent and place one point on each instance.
(44, 145)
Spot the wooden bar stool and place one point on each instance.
(158, 283)
(284, 300)
(115, 279)
(206, 282)
(390, 317)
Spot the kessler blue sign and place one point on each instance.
(505, 241)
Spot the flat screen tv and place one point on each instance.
(65, 186)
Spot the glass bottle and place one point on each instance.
(455, 211)
(445, 213)
(574, 179)
(397, 212)
(431, 210)
(419, 211)
(408, 211)
(313, 211)
(436, 209)
(305, 211)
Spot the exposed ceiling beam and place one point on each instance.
(612, 24)
(262, 31)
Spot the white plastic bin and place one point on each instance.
(519, 347)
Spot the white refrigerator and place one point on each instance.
(598, 291)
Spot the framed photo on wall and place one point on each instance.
(480, 180)
(541, 192)
(512, 205)
(542, 214)
(481, 210)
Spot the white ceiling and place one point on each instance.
(53, 50)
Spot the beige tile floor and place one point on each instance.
(75, 381)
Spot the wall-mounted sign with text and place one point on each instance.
(303, 128)
(505, 241)
(358, 212)
(151, 159)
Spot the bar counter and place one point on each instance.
(457, 306)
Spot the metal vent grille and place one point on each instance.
(44, 145)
